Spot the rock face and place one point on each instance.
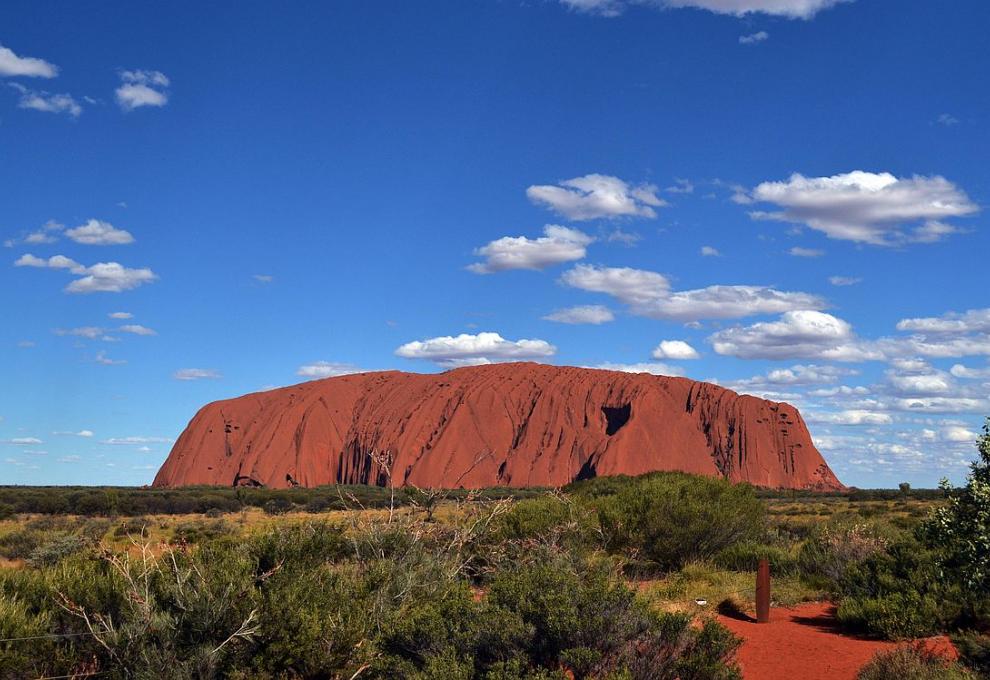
(504, 424)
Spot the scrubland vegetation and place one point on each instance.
(608, 578)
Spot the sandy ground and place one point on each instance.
(805, 643)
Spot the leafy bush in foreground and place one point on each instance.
(671, 519)
(912, 663)
(386, 598)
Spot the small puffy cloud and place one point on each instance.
(197, 374)
(466, 349)
(99, 233)
(971, 321)
(947, 119)
(709, 251)
(753, 38)
(648, 294)
(120, 315)
(13, 65)
(844, 280)
(103, 360)
(631, 286)
(86, 434)
(48, 102)
(108, 277)
(790, 9)
(627, 238)
(681, 186)
(327, 369)
(804, 374)
(142, 88)
(674, 349)
(956, 433)
(590, 314)
(89, 332)
(798, 251)
(799, 334)
(935, 382)
(46, 233)
(960, 371)
(557, 245)
(936, 404)
(135, 441)
(644, 367)
(866, 207)
(263, 278)
(597, 196)
(137, 329)
(25, 441)
(852, 417)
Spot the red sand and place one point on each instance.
(516, 425)
(804, 643)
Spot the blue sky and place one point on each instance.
(783, 196)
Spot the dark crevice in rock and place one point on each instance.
(616, 417)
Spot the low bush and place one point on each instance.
(20, 544)
(897, 593)
(669, 519)
(912, 663)
(974, 651)
(832, 549)
(746, 557)
(54, 551)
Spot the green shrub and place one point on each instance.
(974, 651)
(278, 506)
(672, 518)
(832, 549)
(57, 549)
(746, 557)
(895, 616)
(7, 511)
(17, 659)
(20, 544)
(960, 532)
(897, 593)
(196, 531)
(911, 663)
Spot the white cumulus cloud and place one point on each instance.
(49, 102)
(674, 349)
(142, 88)
(99, 233)
(595, 196)
(466, 349)
(790, 9)
(799, 334)
(648, 294)
(13, 65)
(590, 314)
(197, 374)
(866, 207)
(107, 277)
(557, 245)
(327, 369)
(654, 368)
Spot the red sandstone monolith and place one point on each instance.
(519, 424)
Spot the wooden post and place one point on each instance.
(763, 592)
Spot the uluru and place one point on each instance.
(513, 424)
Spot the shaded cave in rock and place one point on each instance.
(616, 417)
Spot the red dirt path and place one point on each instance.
(804, 643)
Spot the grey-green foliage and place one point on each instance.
(960, 530)
(671, 519)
